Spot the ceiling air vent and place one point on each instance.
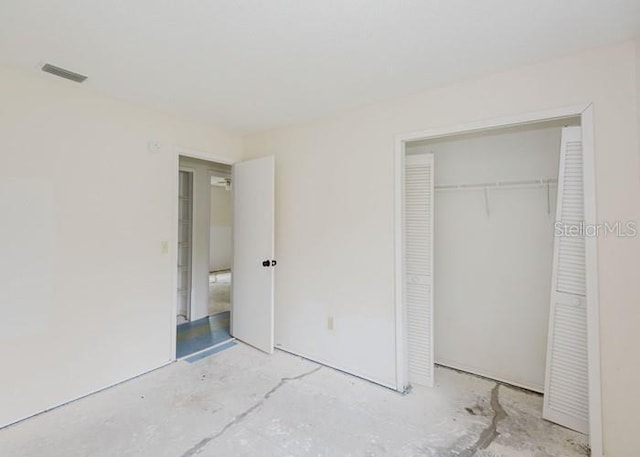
(63, 73)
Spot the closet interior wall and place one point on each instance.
(493, 250)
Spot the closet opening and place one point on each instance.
(487, 283)
(204, 256)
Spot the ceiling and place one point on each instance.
(251, 65)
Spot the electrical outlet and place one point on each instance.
(330, 323)
(164, 247)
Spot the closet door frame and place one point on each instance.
(585, 113)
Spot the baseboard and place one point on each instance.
(485, 374)
(336, 367)
(101, 389)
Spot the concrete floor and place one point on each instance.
(242, 402)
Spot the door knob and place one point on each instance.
(266, 263)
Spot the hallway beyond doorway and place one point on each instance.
(219, 291)
(213, 329)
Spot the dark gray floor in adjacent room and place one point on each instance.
(201, 334)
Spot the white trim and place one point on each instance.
(478, 371)
(593, 293)
(402, 369)
(193, 154)
(510, 121)
(80, 397)
(585, 112)
(348, 371)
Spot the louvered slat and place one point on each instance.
(566, 399)
(569, 388)
(571, 258)
(418, 235)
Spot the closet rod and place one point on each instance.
(543, 182)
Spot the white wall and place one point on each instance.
(637, 46)
(86, 291)
(493, 272)
(335, 227)
(220, 229)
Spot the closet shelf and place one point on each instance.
(520, 184)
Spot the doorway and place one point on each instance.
(494, 208)
(415, 195)
(230, 206)
(204, 256)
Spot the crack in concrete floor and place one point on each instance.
(491, 432)
(197, 448)
(169, 412)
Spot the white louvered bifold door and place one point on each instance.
(418, 254)
(566, 395)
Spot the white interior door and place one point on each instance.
(253, 252)
(566, 395)
(418, 254)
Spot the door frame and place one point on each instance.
(585, 113)
(173, 236)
